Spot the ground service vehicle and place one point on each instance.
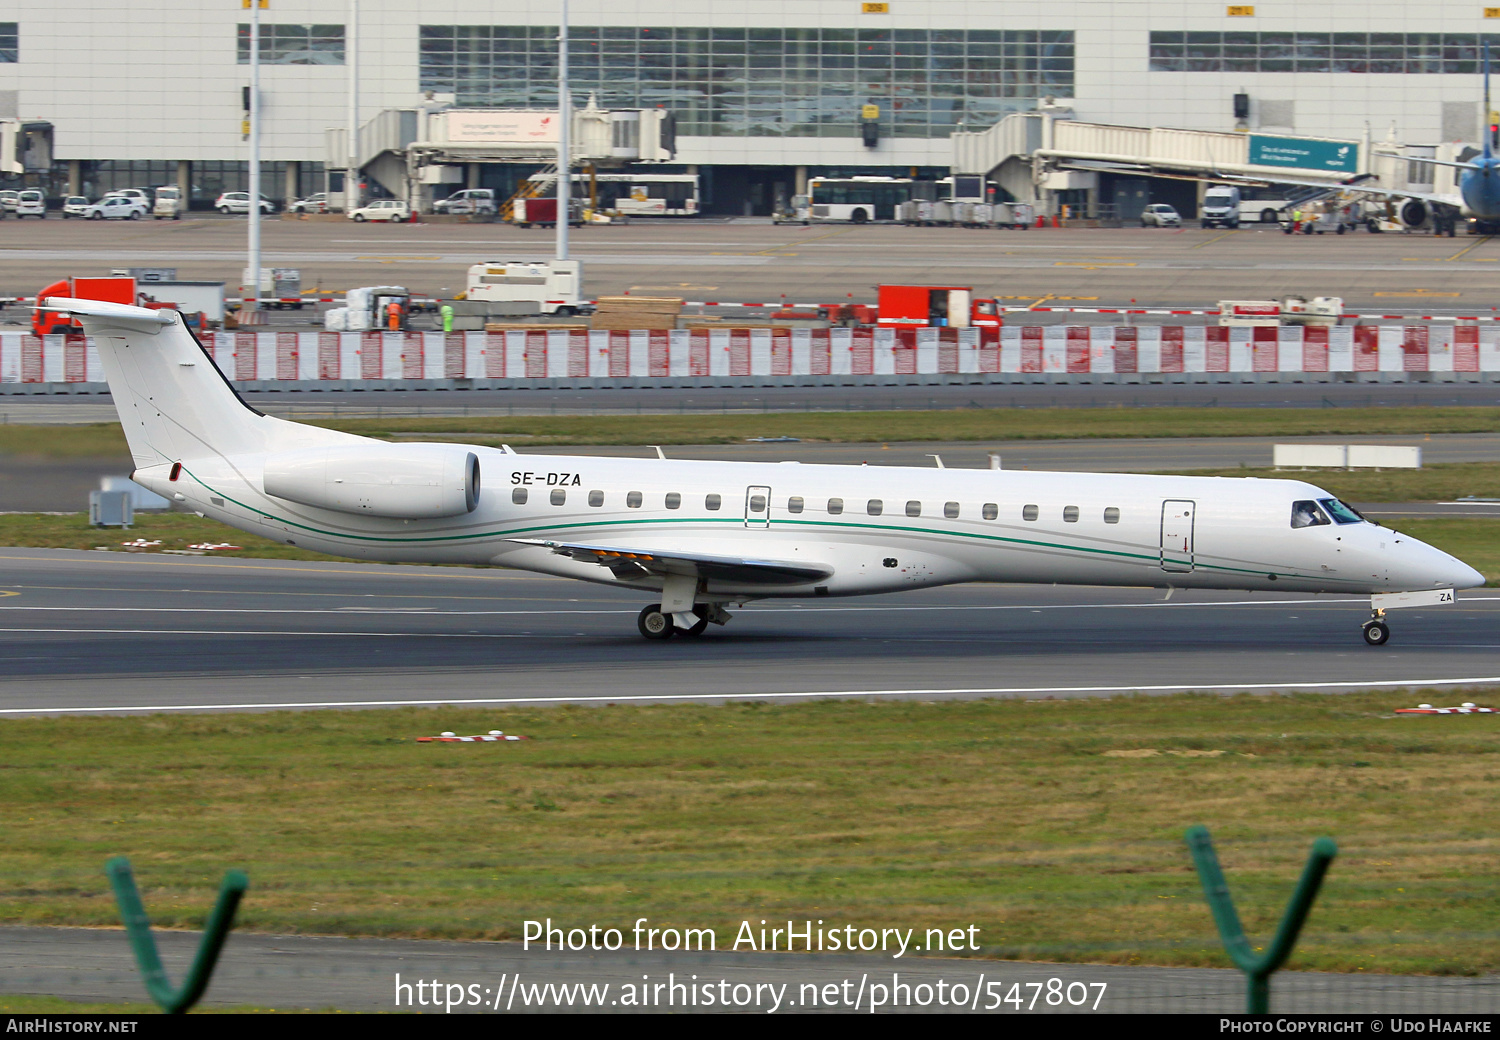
(75, 206)
(1159, 214)
(312, 204)
(388, 210)
(922, 306)
(168, 204)
(856, 200)
(641, 194)
(543, 213)
(116, 207)
(539, 288)
(31, 203)
(472, 201)
(695, 538)
(111, 290)
(1221, 206)
(369, 308)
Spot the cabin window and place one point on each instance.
(674, 500)
(1111, 515)
(875, 507)
(596, 498)
(990, 511)
(950, 510)
(518, 496)
(1307, 514)
(1030, 512)
(1070, 514)
(757, 503)
(913, 508)
(835, 506)
(633, 499)
(711, 502)
(794, 504)
(559, 496)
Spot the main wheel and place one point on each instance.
(1376, 633)
(654, 624)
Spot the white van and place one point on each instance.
(1221, 206)
(471, 200)
(31, 203)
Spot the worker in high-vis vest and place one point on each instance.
(446, 311)
(393, 317)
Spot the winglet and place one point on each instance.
(103, 309)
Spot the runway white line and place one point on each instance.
(272, 632)
(996, 691)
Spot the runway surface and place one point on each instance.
(91, 631)
(307, 972)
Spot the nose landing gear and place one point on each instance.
(1376, 631)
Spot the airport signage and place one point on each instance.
(501, 127)
(1304, 154)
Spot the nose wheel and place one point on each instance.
(1376, 631)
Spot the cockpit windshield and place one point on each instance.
(1307, 514)
(1341, 513)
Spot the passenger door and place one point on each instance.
(757, 507)
(1177, 535)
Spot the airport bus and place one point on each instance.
(856, 200)
(641, 194)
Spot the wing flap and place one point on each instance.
(633, 564)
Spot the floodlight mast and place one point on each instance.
(351, 57)
(564, 126)
(251, 300)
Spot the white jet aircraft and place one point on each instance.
(699, 537)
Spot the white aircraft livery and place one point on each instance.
(696, 538)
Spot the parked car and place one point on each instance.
(116, 207)
(8, 201)
(31, 203)
(75, 206)
(140, 195)
(239, 202)
(382, 209)
(1159, 214)
(470, 200)
(312, 204)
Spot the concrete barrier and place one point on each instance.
(1309, 456)
(1384, 456)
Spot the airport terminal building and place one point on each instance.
(764, 92)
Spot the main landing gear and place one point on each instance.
(1376, 630)
(655, 623)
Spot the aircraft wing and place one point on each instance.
(629, 564)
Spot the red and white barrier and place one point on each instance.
(270, 356)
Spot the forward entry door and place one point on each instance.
(758, 507)
(1177, 535)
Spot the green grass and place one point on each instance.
(967, 424)
(1009, 815)
(1432, 483)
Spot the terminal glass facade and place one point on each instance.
(760, 82)
(10, 42)
(295, 44)
(1320, 52)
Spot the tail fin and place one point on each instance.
(173, 401)
(1489, 114)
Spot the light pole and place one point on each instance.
(564, 127)
(351, 58)
(251, 300)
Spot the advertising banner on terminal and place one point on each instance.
(501, 127)
(1304, 154)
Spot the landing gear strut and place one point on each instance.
(1376, 630)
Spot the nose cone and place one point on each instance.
(1425, 567)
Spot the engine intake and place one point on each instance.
(399, 481)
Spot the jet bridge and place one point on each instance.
(1035, 154)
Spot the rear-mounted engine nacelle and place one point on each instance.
(400, 481)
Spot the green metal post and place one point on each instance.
(1258, 970)
(138, 928)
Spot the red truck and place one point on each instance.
(112, 290)
(921, 306)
